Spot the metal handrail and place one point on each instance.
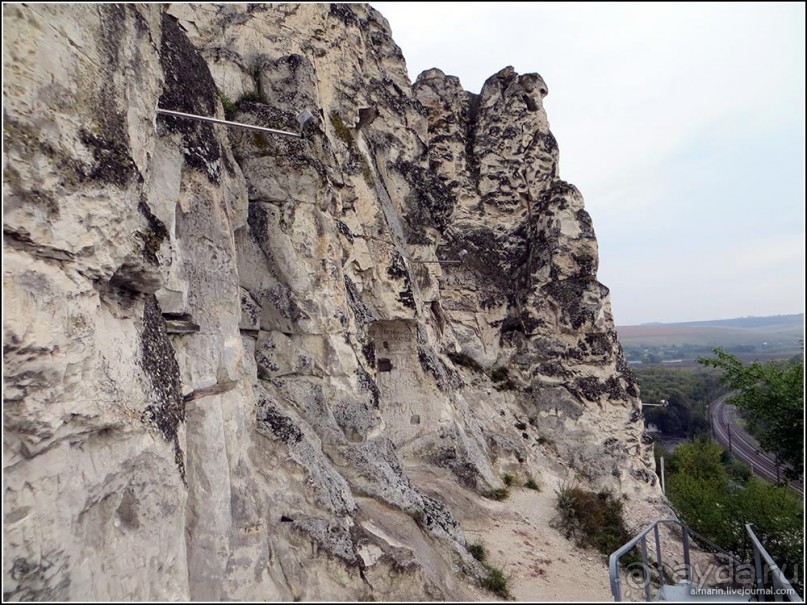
(780, 583)
(191, 116)
(613, 560)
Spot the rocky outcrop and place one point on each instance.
(224, 349)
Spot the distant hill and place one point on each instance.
(769, 321)
(751, 337)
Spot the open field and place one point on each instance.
(761, 338)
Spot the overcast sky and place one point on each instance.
(681, 124)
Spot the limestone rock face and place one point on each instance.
(224, 349)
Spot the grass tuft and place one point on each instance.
(501, 493)
(254, 96)
(531, 484)
(478, 551)
(496, 582)
(341, 130)
(228, 106)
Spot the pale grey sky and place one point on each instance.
(682, 124)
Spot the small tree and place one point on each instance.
(772, 396)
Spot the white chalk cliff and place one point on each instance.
(228, 355)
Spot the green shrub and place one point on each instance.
(478, 551)
(593, 519)
(254, 96)
(508, 479)
(531, 484)
(737, 470)
(260, 140)
(501, 493)
(496, 582)
(342, 131)
(228, 106)
(717, 506)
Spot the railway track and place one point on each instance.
(726, 430)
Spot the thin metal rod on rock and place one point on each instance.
(442, 262)
(190, 116)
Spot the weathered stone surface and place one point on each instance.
(223, 349)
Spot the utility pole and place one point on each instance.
(777, 469)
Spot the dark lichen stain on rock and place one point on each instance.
(436, 515)
(463, 359)
(344, 13)
(344, 230)
(568, 295)
(167, 409)
(397, 270)
(368, 350)
(599, 343)
(431, 202)
(447, 379)
(189, 88)
(41, 579)
(277, 424)
(154, 235)
(257, 221)
(113, 164)
(108, 137)
(368, 384)
(586, 225)
(361, 313)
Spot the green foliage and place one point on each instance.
(688, 391)
(704, 487)
(259, 140)
(478, 551)
(501, 493)
(508, 479)
(228, 105)
(544, 440)
(701, 460)
(496, 582)
(736, 470)
(531, 484)
(254, 96)
(341, 130)
(669, 459)
(771, 395)
(593, 519)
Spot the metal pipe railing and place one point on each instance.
(613, 561)
(191, 116)
(781, 585)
